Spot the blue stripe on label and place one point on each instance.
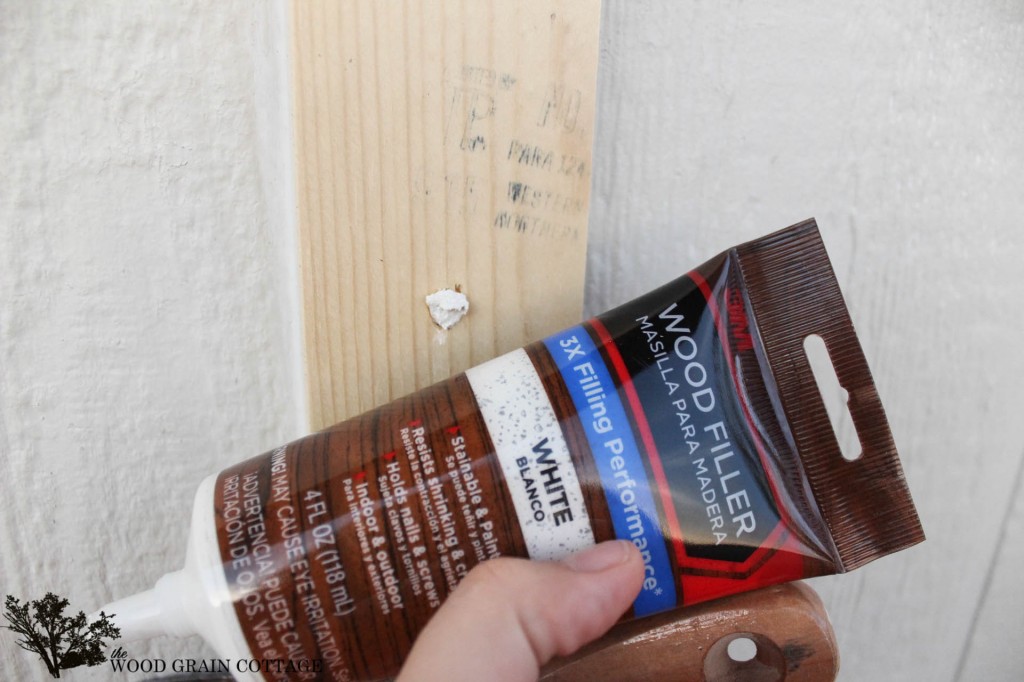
(619, 464)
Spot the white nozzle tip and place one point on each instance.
(159, 611)
(138, 616)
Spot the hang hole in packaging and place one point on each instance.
(835, 397)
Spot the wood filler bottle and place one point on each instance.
(687, 421)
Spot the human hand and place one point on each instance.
(508, 617)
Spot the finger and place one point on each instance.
(509, 616)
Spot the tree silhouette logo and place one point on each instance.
(61, 641)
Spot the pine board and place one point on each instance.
(439, 145)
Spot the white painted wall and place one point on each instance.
(147, 321)
(148, 317)
(900, 126)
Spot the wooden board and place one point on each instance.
(439, 145)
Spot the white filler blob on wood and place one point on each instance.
(447, 307)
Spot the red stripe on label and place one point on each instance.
(654, 458)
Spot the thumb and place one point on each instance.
(509, 617)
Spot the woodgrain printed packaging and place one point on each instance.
(687, 421)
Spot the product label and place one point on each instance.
(675, 365)
(534, 457)
(619, 462)
(661, 422)
(675, 362)
(340, 546)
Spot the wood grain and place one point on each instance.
(439, 145)
(793, 641)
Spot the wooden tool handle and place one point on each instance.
(783, 631)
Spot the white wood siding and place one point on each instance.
(900, 127)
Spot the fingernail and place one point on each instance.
(600, 557)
